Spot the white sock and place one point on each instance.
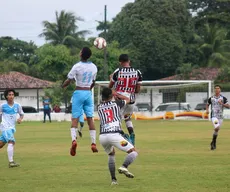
(73, 133)
(10, 152)
(93, 136)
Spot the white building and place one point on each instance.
(29, 90)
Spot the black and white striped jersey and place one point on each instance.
(126, 79)
(216, 108)
(110, 116)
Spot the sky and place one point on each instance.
(22, 19)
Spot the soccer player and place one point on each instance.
(217, 102)
(84, 72)
(47, 110)
(9, 111)
(111, 133)
(127, 81)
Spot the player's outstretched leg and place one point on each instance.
(74, 137)
(129, 126)
(112, 167)
(92, 132)
(132, 154)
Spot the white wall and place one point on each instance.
(27, 97)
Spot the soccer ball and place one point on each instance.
(100, 43)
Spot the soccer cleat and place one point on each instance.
(212, 145)
(13, 164)
(114, 182)
(94, 148)
(73, 148)
(80, 133)
(123, 170)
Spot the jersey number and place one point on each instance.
(87, 76)
(109, 114)
(131, 83)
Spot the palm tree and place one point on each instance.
(64, 30)
(215, 51)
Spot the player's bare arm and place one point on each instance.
(92, 85)
(138, 88)
(111, 84)
(66, 83)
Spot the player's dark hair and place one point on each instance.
(106, 93)
(6, 92)
(217, 86)
(123, 58)
(86, 53)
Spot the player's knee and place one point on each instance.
(217, 129)
(74, 122)
(131, 150)
(11, 142)
(1, 144)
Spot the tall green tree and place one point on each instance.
(211, 11)
(52, 62)
(215, 50)
(64, 30)
(16, 50)
(156, 32)
(11, 65)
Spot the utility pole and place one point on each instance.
(105, 49)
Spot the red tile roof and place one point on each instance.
(16, 80)
(198, 74)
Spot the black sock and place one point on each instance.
(130, 130)
(214, 139)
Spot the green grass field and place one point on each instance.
(173, 156)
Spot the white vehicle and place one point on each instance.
(175, 106)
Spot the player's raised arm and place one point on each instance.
(70, 76)
(113, 78)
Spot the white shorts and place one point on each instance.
(217, 122)
(110, 140)
(127, 111)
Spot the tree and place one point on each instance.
(64, 30)
(16, 50)
(211, 11)
(9, 65)
(155, 32)
(52, 62)
(215, 50)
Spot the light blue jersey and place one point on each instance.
(84, 73)
(9, 115)
(9, 119)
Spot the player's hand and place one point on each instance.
(207, 111)
(19, 120)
